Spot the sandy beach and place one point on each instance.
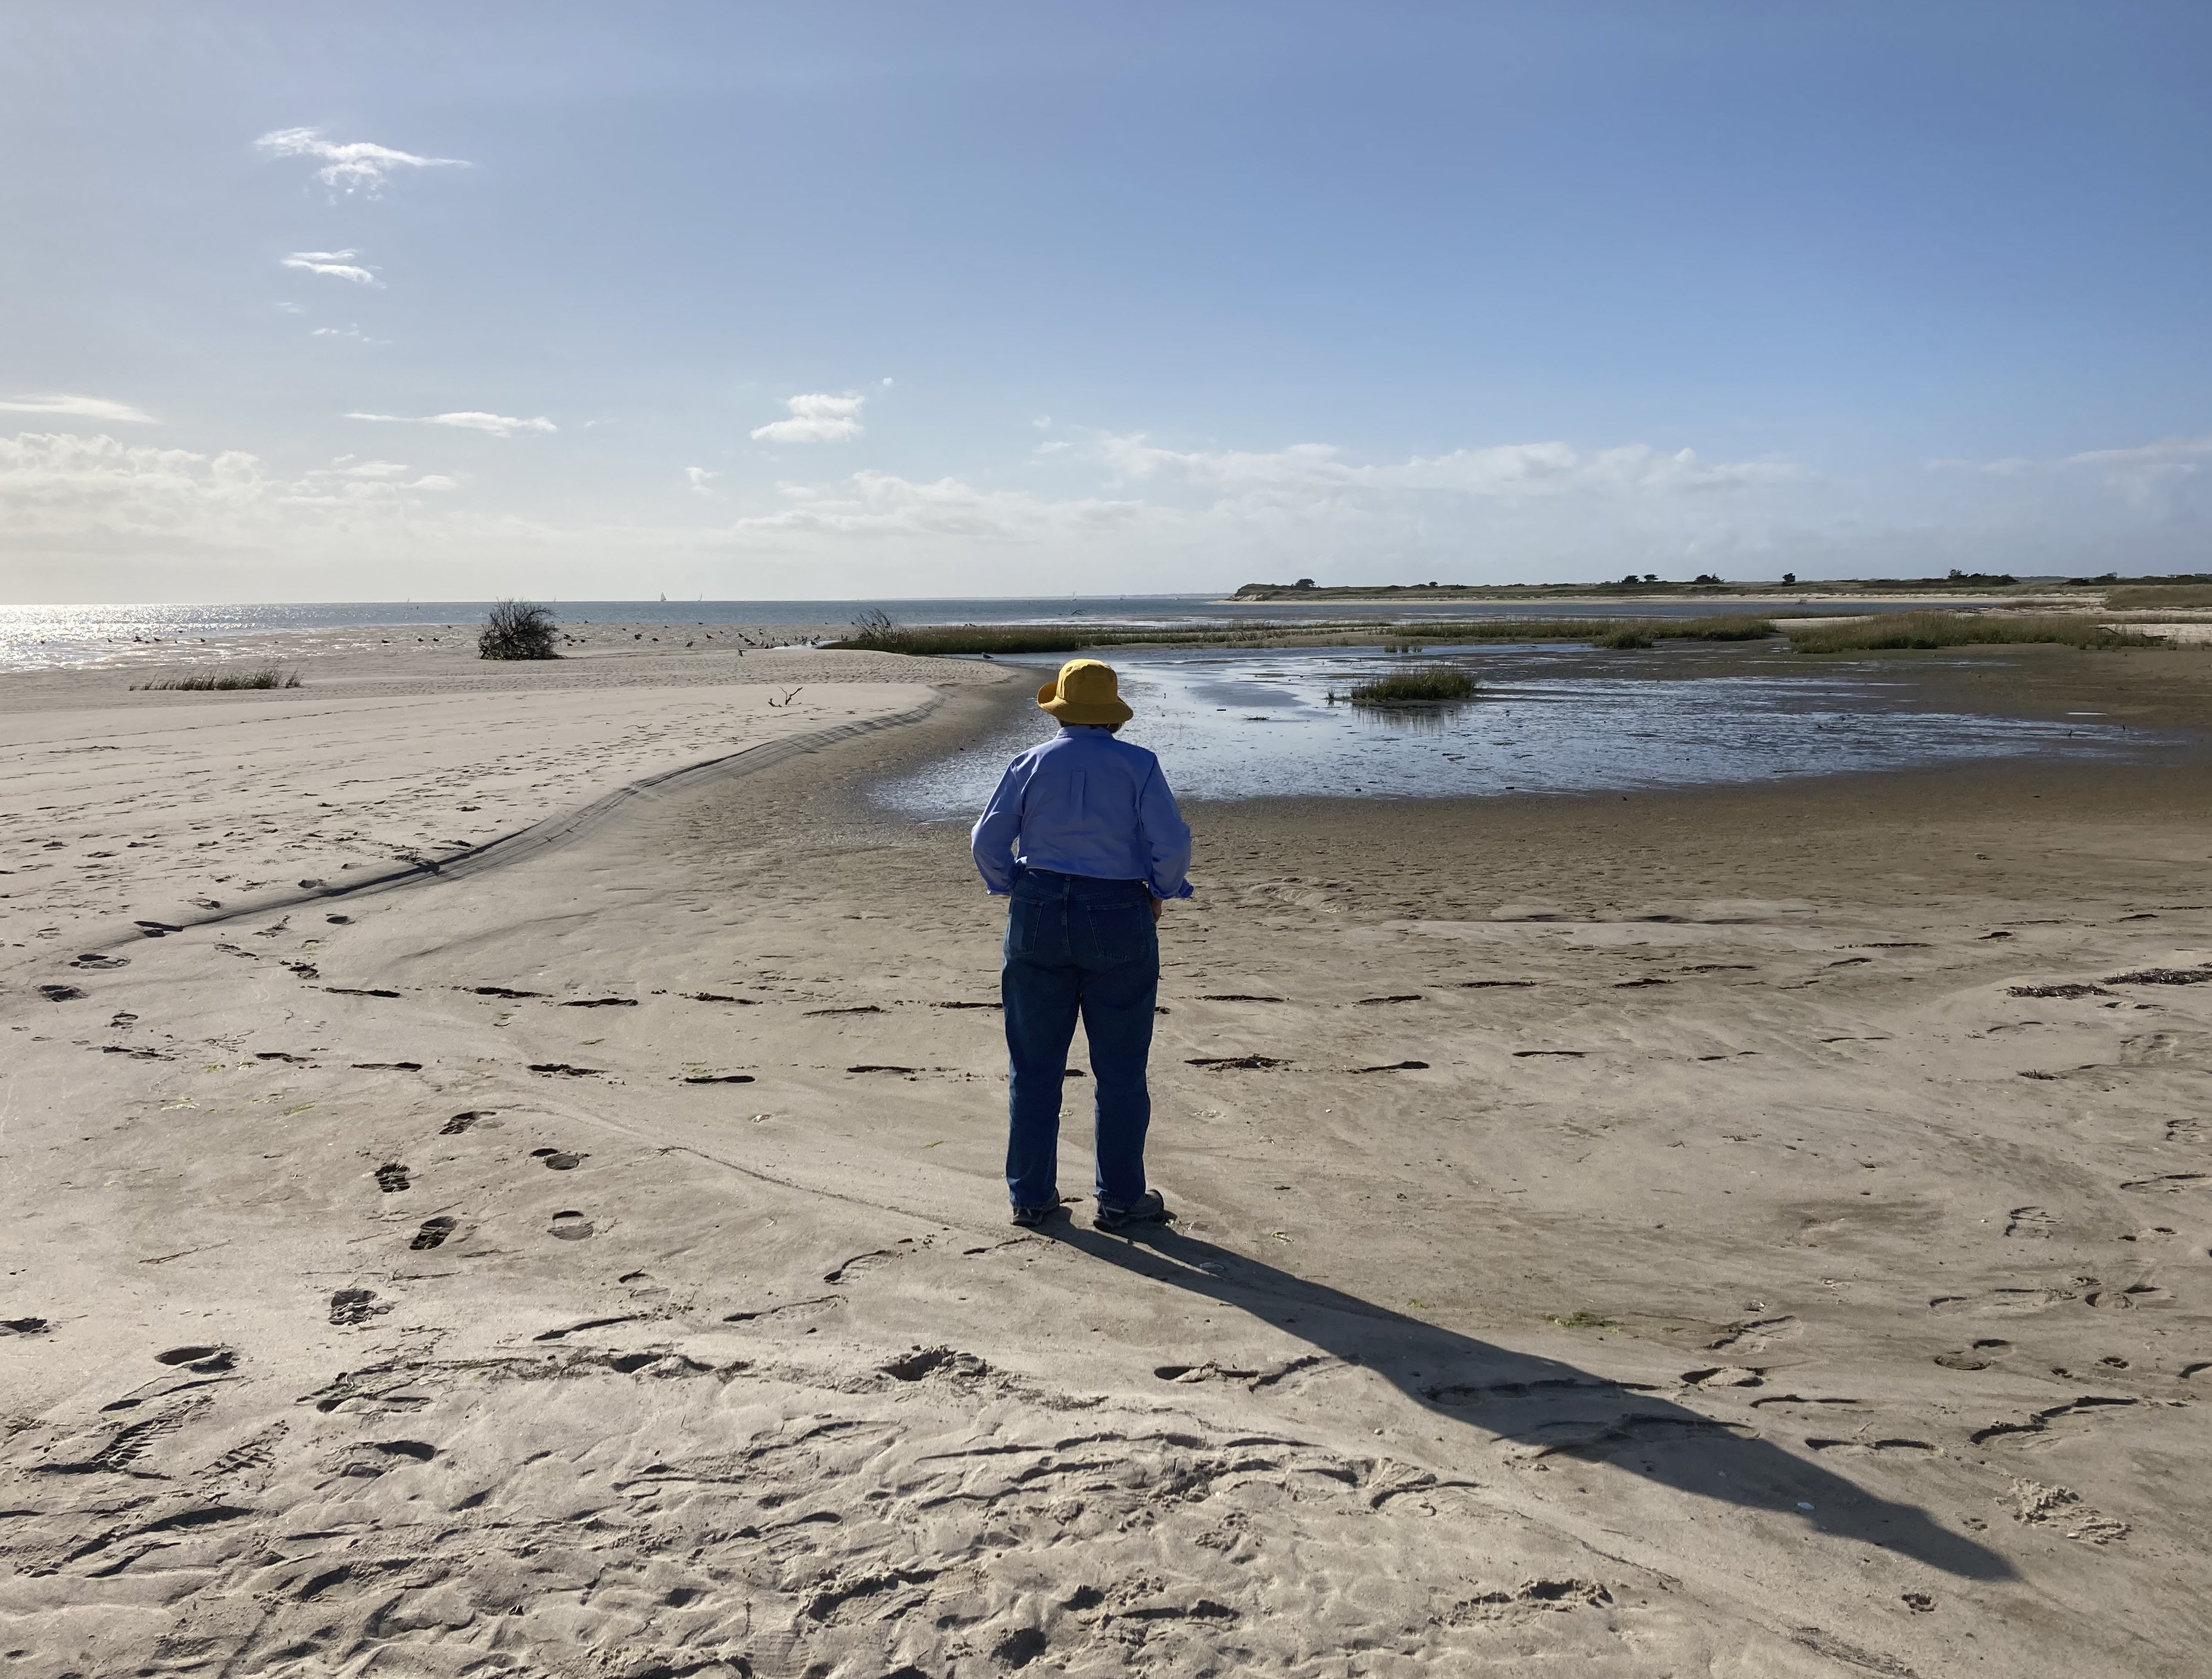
(1750, 1231)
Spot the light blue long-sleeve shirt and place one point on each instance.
(1084, 803)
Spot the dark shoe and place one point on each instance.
(1029, 1218)
(1148, 1209)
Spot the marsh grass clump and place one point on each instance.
(1424, 684)
(2181, 595)
(220, 682)
(1895, 631)
(1627, 636)
(1744, 629)
(517, 629)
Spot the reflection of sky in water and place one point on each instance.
(1243, 724)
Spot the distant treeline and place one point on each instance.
(1890, 632)
(1650, 584)
(877, 632)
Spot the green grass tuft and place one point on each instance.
(1424, 685)
(1899, 631)
(220, 682)
(1583, 1320)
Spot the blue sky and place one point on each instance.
(863, 299)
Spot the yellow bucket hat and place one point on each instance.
(1085, 691)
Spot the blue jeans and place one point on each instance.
(1077, 945)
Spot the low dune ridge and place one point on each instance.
(1753, 1231)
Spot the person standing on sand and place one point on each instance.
(1084, 835)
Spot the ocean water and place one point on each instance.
(1255, 725)
(42, 637)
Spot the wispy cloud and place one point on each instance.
(878, 504)
(354, 332)
(351, 166)
(500, 425)
(336, 265)
(82, 408)
(815, 418)
(2170, 478)
(1511, 471)
(348, 467)
(701, 479)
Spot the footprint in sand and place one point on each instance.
(1727, 1376)
(350, 1306)
(935, 1361)
(433, 1232)
(2011, 1300)
(205, 1361)
(1920, 1447)
(60, 994)
(2029, 1221)
(569, 1226)
(460, 1123)
(392, 1177)
(98, 963)
(2171, 1182)
(557, 1160)
(865, 1261)
(2071, 1417)
(1980, 1355)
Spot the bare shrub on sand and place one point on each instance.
(517, 629)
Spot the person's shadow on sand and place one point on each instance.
(1542, 1408)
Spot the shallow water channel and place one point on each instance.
(1247, 725)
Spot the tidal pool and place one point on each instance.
(1256, 725)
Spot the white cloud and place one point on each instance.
(93, 491)
(336, 265)
(2169, 480)
(288, 308)
(500, 425)
(82, 408)
(346, 467)
(701, 479)
(352, 165)
(873, 504)
(353, 333)
(1508, 472)
(815, 418)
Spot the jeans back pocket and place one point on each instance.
(1119, 934)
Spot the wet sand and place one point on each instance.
(1753, 1231)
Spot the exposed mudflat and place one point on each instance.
(1757, 1231)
